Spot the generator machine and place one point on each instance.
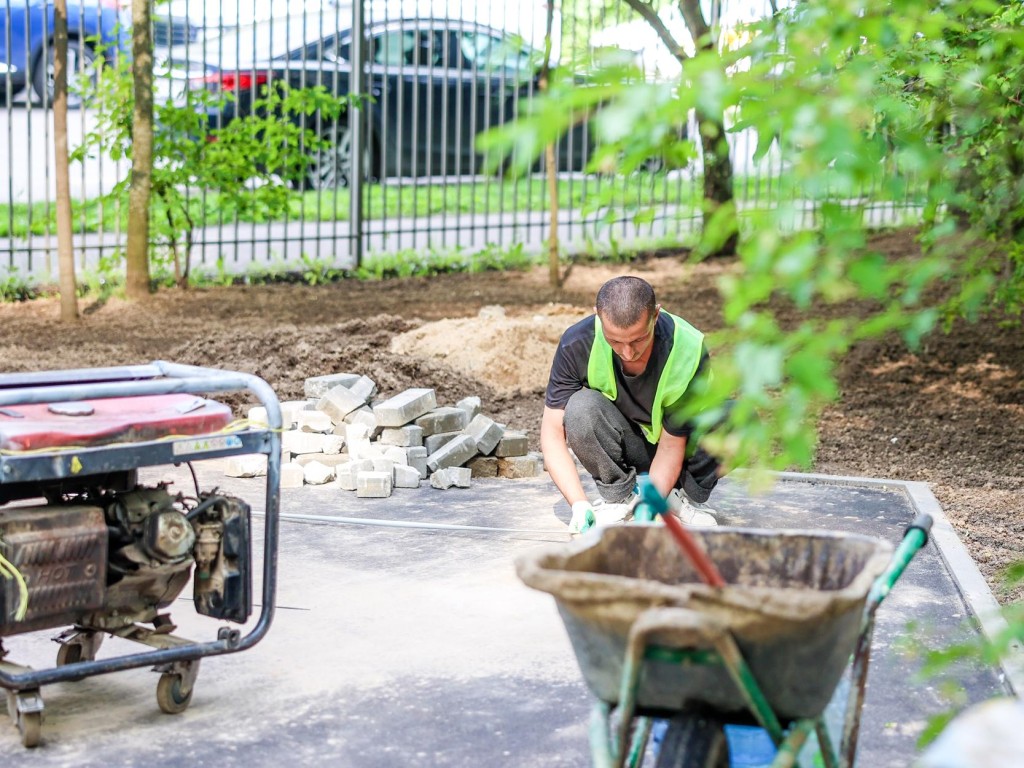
(89, 551)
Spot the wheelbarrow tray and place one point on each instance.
(793, 603)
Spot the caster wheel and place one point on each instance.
(169, 696)
(69, 654)
(30, 725)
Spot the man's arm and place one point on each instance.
(668, 462)
(557, 459)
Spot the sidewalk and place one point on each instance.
(418, 646)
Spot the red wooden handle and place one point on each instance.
(707, 570)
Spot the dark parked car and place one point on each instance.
(26, 41)
(435, 83)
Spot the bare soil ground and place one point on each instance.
(951, 414)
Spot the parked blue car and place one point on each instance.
(26, 41)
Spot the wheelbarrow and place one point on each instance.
(653, 641)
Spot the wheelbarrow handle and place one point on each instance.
(707, 570)
(914, 538)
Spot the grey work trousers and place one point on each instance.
(613, 450)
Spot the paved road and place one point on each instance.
(26, 157)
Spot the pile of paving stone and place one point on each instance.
(341, 434)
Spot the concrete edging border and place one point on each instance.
(961, 566)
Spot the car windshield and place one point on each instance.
(488, 52)
(451, 46)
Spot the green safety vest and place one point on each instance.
(683, 359)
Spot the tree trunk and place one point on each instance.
(718, 191)
(137, 257)
(718, 185)
(551, 158)
(65, 253)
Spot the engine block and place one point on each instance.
(62, 554)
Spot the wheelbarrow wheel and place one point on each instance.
(694, 741)
(169, 695)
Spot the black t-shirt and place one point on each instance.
(635, 395)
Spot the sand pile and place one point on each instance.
(511, 353)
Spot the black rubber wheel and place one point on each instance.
(332, 167)
(80, 60)
(70, 654)
(693, 741)
(169, 696)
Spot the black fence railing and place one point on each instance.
(398, 171)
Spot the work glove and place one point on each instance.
(582, 517)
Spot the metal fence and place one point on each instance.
(406, 176)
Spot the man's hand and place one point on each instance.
(583, 517)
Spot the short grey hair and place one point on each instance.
(624, 301)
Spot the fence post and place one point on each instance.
(357, 87)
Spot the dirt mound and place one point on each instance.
(510, 353)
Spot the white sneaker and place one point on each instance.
(608, 513)
(691, 513)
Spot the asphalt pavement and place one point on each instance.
(402, 637)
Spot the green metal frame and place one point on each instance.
(624, 743)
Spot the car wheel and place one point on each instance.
(332, 166)
(81, 58)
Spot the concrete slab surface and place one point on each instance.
(403, 637)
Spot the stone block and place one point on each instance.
(406, 476)
(257, 416)
(289, 410)
(345, 474)
(517, 467)
(314, 421)
(364, 449)
(334, 444)
(450, 477)
(512, 443)
(471, 405)
(483, 466)
(405, 436)
(434, 442)
(396, 454)
(330, 460)
(356, 431)
(440, 420)
(405, 407)
(295, 441)
(316, 473)
(339, 402)
(373, 485)
(364, 416)
(441, 480)
(383, 465)
(249, 465)
(486, 432)
(460, 476)
(292, 475)
(316, 387)
(417, 456)
(364, 387)
(454, 453)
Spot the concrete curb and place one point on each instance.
(964, 571)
